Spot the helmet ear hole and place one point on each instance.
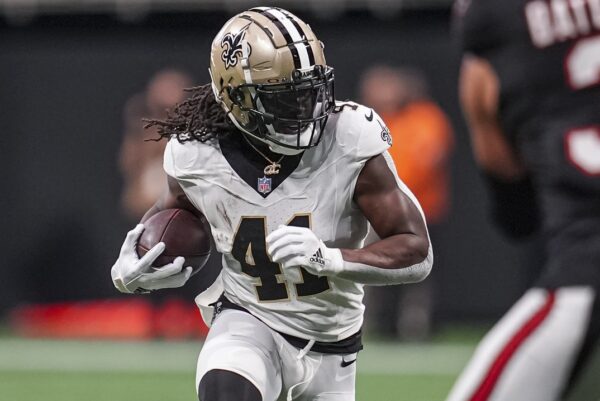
(319, 70)
(237, 96)
(296, 75)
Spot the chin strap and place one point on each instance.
(282, 150)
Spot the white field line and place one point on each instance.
(104, 356)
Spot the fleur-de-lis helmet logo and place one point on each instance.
(232, 47)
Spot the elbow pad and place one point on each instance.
(371, 275)
(514, 206)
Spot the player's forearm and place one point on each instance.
(400, 259)
(395, 252)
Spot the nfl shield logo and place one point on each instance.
(264, 185)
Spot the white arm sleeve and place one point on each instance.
(372, 275)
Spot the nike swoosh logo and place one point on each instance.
(347, 363)
(342, 375)
(370, 116)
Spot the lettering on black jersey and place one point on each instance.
(561, 20)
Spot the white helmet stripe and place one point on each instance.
(245, 65)
(294, 34)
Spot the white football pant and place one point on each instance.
(529, 354)
(240, 343)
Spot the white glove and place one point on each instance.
(131, 274)
(299, 246)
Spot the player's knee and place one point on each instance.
(223, 385)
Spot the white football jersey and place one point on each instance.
(318, 194)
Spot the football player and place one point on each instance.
(290, 182)
(530, 91)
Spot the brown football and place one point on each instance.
(183, 233)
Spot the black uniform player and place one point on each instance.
(530, 90)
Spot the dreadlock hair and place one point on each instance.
(198, 118)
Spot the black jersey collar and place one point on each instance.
(249, 165)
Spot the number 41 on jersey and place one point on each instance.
(250, 250)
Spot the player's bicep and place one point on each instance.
(175, 197)
(390, 210)
(172, 197)
(479, 96)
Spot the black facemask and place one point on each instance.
(292, 108)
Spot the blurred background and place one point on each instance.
(77, 76)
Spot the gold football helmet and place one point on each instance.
(268, 71)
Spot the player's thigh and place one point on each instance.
(239, 343)
(528, 355)
(584, 385)
(334, 380)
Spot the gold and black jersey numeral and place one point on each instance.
(250, 250)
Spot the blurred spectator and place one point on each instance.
(422, 143)
(141, 162)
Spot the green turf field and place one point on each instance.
(33, 370)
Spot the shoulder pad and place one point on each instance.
(182, 159)
(361, 131)
(375, 137)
